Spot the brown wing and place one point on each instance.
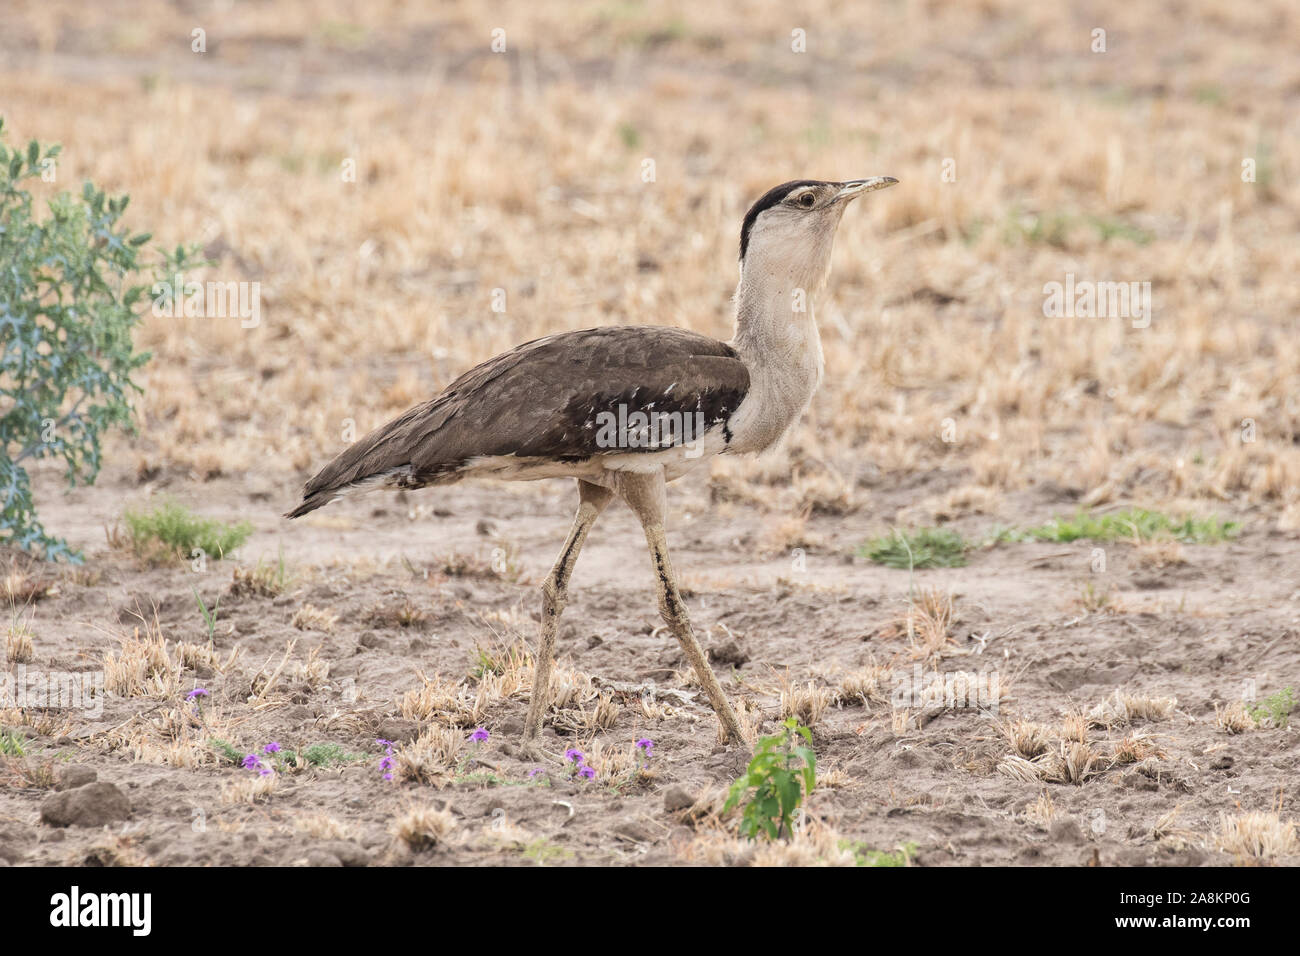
(549, 399)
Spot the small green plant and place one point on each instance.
(541, 851)
(68, 304)
(12, 744)
(780, 775)
(865, 857)
(263, 579)
(1131, 524)
(329, 755)
(926, 548)
(225, 750)
(209, 617)
(1276, 708)
(171, 531)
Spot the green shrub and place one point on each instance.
(1131, 524)
(781, 773)
(173, 531)
(927, 548)
(67, 309)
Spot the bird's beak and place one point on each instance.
(857, 187)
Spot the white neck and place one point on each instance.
(776, 337)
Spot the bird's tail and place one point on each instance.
(311, 503)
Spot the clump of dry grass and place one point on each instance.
(824, 492)
(806, 703)
(142, 666)
(602, 715)
(264, 579)
(112, 850)
(1135, 747)
(784, 534)
(1070, 761)
(615, 766)
(424, 827)
(1256, 835)
(1028, 739)
(865, 685)
(1073, 762)
(322, 826)
(570, 687)
(20, 587)
(313, 671)
(1042, 811)
(404, 614)
(1234, 718)
(311, 618)
(1121, 709)
(19, 648)
(926, 624)
(431, 758)
(249, 788)
(29, 772)
(1158, 554)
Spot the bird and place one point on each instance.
(626, 409)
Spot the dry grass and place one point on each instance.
(249, 788)
(1042, 811)
(1257, 836)
(19, 648)
(311, 618)
(926, 624)
(871, 684)
(1027, 738)
(1234, 718)
(430, 758)
(1114, 190)
(142, 666)
(806, 703)
(424, 827)
(1121, 709)
(322, 826)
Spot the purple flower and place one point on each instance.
(535, 771)
(264, 772)
(575, 756)
(386, 762)
(646, 744)
(479, 736)
(586, 772)
(196, 692)
(251, 762)
(272, 748)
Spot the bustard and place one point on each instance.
(626, 409)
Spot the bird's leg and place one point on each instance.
(594, 498)
(645, 495)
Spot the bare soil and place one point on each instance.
(1195, 632)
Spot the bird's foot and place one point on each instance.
(530, 749)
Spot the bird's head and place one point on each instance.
(790, 230)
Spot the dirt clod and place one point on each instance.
(93, 805)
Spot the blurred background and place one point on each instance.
(499, 157)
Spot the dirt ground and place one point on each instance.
(1227, 615)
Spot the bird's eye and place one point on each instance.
(806, 200)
